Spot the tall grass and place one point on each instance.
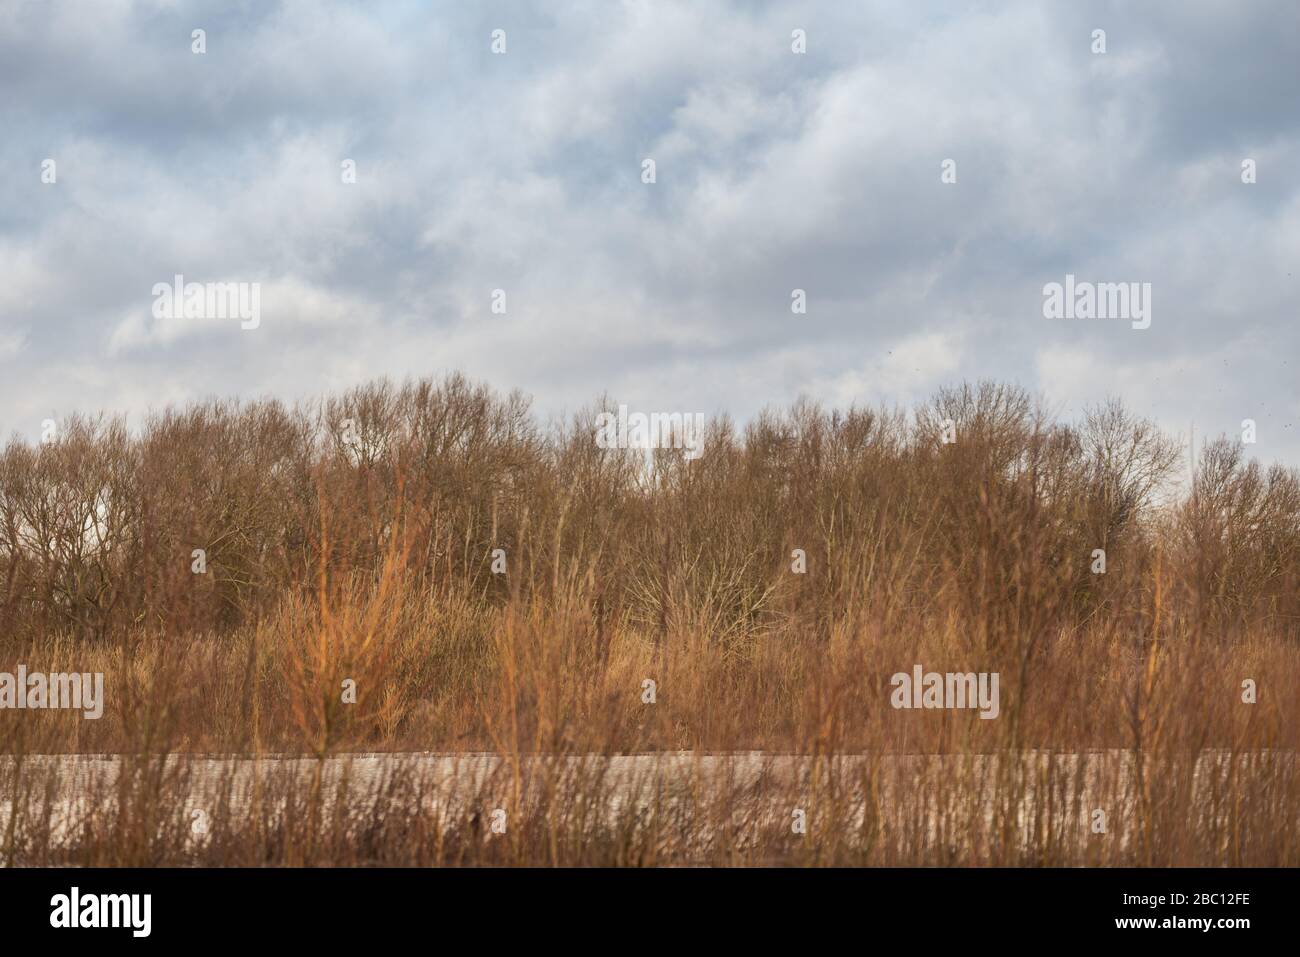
(352, 540)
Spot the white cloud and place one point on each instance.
(776, 171)
(11, 343)
(910, 369)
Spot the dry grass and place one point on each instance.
(370, 560)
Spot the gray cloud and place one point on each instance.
(775, 172)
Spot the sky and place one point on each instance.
(523, 171)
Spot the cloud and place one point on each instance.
(775, 171)
(908, 372)
(11, 343)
